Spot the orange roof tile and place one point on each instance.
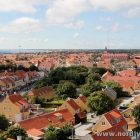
(114, 114)
(41, 122)
(132, 122)
(35, 132)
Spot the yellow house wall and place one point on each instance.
(132, 126)
(137, 86)
(137, 100)
(66, 105)
(8, 104)
(127, 112)
(99, 127)
(82, 105)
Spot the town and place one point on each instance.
(76, 95)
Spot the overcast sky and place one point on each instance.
(69, 24)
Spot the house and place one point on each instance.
(81, 101)
(105, 75)
(110, 93)
(15, 108)
(121, 56)
(71, 105)
(57, 119)
(104, 64)
(108, 120)
(128, 73)
(135, 101)
(75, 109)
(114, 133)
(43, 92)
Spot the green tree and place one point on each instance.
(93, 77)
(100, 103)
(136, 114)
(25, 95)
(33, 68)
(13, 132)
(4, 122)
(88, 88)
(50, 135)
(38, 100)
(67, 88)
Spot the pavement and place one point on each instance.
(127, 100)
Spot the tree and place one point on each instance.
(100, 103)
(38, 100)
(20, 67)
(93, 77)
(33, 68)
(25, 95)
(13, 132)
(67, 88)
(136, 114)
(4, 122)
(88, 88)
(115, 86)
(50, 135)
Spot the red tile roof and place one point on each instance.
(35, 132)
(81, 115)
(132, 122)
(115, 113)
(18, 100)
(128, 73)
(41, 122)
(82, 98)
(73, 104)
(113, 133)
(44, 90)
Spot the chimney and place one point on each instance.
(106, 86)
(68, 99)
(15, 93)
(19, 138)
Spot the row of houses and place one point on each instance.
(13, 81)
(128, 79)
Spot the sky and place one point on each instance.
(69, 24)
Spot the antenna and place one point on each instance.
(108, 38)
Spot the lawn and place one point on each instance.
(57, 101)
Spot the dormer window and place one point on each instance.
(59, 116)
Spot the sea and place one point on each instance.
(16, 51)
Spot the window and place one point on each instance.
(10, 109)
(65, 106)
(103, 123)
(10, 117)
(4, 108)
(5, 102)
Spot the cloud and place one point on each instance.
(132, 13)
(79, 24)
(75, 35)
(62, 11)
(24, 24)
(46, 40)
(105, 19)
(113, 28)
(129, 27)
(113, 5)
(4, 39)
(24, 6)
(33, 39)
